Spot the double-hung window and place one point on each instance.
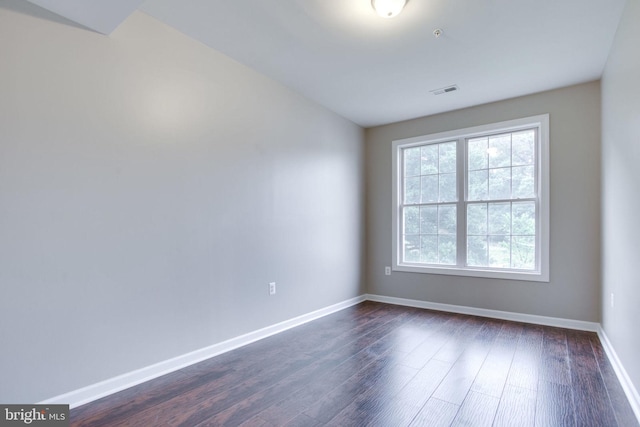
(474, 202)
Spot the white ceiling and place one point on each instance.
(374, 71)
(102, 16)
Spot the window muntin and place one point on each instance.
(501, 235)
(428, 217)
(501, 200)
(474, 202)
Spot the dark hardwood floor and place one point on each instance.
(384, 365)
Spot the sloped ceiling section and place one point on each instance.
(374, 71)
(102, 16)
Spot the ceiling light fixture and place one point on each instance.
(388, 8)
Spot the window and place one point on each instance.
(474, 202)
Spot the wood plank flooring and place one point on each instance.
(383, 365)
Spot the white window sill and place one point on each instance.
(529, 276)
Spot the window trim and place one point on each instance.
(541, 122)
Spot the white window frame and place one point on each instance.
(541, 271)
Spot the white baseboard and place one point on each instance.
(629, 389)
(496, 314)
(113, 385)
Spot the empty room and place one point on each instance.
(319, 212)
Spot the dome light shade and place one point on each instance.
(388, 8)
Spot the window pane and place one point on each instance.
(411, 249)
(429, 249)
(477, 219)
(448, 187)
(447, 220)
(524, 219)
(500, 183)
(447, 249)
(411, 220)
(523, 182)
(523, 147)
(500, 218)
(429, 189)
(478, 185)
(494, 178)
(429, 220)
(524, 252)
(477, 251)
(447, 157)
(412, 161)
(500, 251)
(412, 190)
(430, 159)
(500, 151)
(477, 153)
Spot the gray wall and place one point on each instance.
(620, 190)
(150, 188)
(574, 288)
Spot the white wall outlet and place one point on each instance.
(272, 288)
(612, 300)
(387, 271)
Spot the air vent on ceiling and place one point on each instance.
(447, 89)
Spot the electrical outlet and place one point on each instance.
(272, 288)
(387, 271)
(612, 300)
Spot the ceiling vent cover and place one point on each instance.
(447, 89)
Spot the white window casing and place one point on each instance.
(475, 217)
